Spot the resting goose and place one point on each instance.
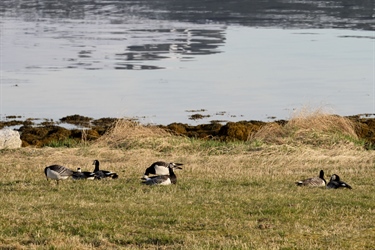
(171, 178)
(79, 175)
(335, 183)
(314, 181)
(57, 172)
(101, 174)
(160, 168)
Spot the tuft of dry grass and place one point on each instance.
(318, 120)
(125, 133)
(310, 127)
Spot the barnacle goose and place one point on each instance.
(101, 174)
(160, 168)
(335, 183)
(58, 172)
(171, 178)
(314, 181)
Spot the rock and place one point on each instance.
(9, 138)
(241, 130)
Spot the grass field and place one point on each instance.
(233, 195)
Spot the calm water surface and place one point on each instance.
(162, 61)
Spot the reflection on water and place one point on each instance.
(159, 43)
(159, 58)
(108, 32)
(354, 14)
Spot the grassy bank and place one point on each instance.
(234, 195)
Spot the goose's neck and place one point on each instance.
(171, 173)
(321, 175)
(172, 176)
(96, 166)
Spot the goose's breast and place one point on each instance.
(166, 182)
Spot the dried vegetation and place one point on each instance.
(314, 128)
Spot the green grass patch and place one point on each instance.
(68, 143)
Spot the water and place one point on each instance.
(163, 61)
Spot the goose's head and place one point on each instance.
(335, 177)
(173, 165)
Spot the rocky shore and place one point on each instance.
(76, 128)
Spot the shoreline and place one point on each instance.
(41, 132)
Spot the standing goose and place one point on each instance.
(101, 174)
(160, 168)
(79, 175)
(171, 178)
(57, 172)
(335, 183)
(314, 181)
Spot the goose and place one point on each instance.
(314, 181)
(57, 172)
(335, 183)
(171, 178)
(160, 168)
(101, 174)
(79, 175)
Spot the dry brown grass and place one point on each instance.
(125, 132)
(318, 120)
(310, 127)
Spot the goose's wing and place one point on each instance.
(313, 182)
(338, 184)
(89, 174)
(303, 182)
(110, 174)
(78, 175)
(157, 180)
(83, 175)
(104, 174)
(99, 174)
(61, 170)
(333, 184)
(344, 185)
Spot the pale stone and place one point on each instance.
(9, 138)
